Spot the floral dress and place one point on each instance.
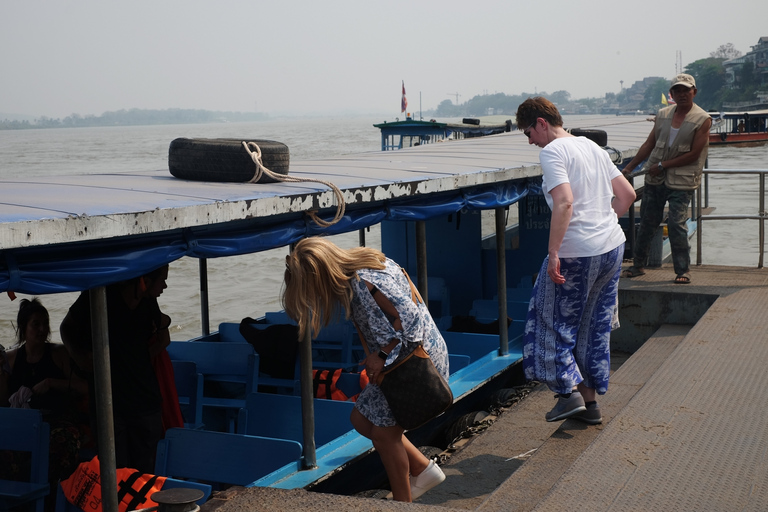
(418, 327)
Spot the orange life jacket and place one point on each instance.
(324, 384)
(83, 488)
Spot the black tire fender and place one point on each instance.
(599, 137)
(225, 160)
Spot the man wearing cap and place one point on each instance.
(675, 150)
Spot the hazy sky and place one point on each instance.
(341, 57)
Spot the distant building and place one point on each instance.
(757, 58)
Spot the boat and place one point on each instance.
(473, 205)
(748, 128)
(410, 133)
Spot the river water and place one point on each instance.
(249, 285)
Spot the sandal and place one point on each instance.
(684, 278)
(634, 272)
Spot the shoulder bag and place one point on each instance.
(414, 389)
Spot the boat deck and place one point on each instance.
(684, 425)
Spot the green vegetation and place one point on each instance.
(136, 117)
(644, 96)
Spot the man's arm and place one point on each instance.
(643, 153)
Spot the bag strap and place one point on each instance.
(415, 296)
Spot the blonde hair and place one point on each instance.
(317, 280)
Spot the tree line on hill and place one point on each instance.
(712, 87)
(136, 117)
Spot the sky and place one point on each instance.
(345, 57)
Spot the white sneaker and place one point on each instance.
(426, 480)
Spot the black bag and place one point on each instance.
(415, 390)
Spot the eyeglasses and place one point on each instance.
(528, 130)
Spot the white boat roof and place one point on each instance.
(41, 211)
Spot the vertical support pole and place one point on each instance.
(105, 422)
(361, 237)
(501, 280)
(421, 259)
(762, 219)
(632, 220)
(699, 226)
(204, 312)
(309, 457)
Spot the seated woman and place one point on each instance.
(37, 374)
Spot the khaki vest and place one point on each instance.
(678, 178)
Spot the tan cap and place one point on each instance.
(683, 79)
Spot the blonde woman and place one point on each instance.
(321, 279)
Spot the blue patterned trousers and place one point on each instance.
(568, 327)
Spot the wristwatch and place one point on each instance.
(661, 167)
(383, 354)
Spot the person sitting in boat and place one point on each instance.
(37, 374)
(676, 151)
(320, 279)
(741, 126)
(568, 325)
(134, 318)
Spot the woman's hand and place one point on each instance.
(373, 365)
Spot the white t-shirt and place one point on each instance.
(594, 228)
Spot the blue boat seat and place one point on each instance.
(473, 345)
(24, 430)
(189, 387)
(220, 457)
(234, 365)
(456, 362)
(279, 416)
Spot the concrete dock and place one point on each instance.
(685, 426)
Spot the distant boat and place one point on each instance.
(739, 128)
(409, 133)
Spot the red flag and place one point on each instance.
(403, 102)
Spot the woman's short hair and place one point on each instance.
(534, 108)
(27, 308)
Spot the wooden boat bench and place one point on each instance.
(24, 430)
(221, 458)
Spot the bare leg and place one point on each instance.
(389, 442)
(417, 461)
(588, 394)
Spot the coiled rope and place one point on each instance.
(261, 170)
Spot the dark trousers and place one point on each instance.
(136, 440)
(651, 215)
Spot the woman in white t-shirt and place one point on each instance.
(568, 327)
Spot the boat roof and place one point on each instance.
(74, 232)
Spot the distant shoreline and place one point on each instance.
(136, 117)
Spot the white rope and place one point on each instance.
(261, 170)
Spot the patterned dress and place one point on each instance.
(418, 327)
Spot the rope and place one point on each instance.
(261, 170)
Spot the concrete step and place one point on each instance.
(523, 490)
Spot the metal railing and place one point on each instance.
(760, 216)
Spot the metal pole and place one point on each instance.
(699, 225)
(421, 259)
(204, 312)
(762, 219)
(361, 237)
(105, 423)
(501, 279)
(309, 457)
(631, 229)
